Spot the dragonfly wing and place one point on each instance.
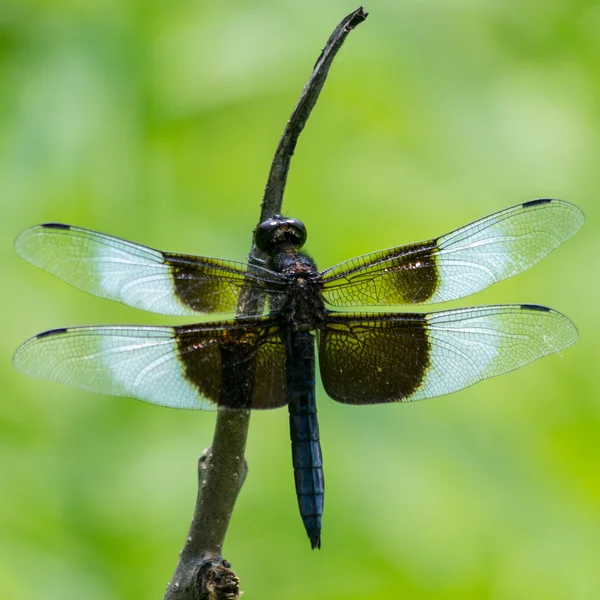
(388, 357)
(457, 264)
(231, 364)
(161, 282)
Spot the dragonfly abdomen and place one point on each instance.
(304, 432)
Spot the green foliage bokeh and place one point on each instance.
(156, 122)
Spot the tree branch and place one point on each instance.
(280, 166)
(201, 573)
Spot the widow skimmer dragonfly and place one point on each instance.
(267, 360)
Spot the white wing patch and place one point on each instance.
(504, 244)
(105, 266)
(471, 344)
(135, 362)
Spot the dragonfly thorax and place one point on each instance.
(303, 304)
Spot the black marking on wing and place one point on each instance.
(537, 202)
(535, 307)
(209, 285)
(241, 365)
(368, 359)
(55, 226)
(50, 332)
(404, 275)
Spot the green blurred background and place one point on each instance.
(157, 122)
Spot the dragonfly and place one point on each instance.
(267, 360)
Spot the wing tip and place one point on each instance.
(569, 332)
(20, 357)
(576, 213)
(25, 242)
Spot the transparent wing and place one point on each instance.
(457, 264)
(229, 364)
(161, 282)
(386, 357)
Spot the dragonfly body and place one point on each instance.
(302, 310)
(264, 361)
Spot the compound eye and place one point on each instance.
(295, 232)
(278, 230)
(263, 236)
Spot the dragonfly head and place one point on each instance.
(278, 230)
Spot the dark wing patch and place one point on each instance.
(242, 365)
(370, 359)
(209, 285)
(403, 275)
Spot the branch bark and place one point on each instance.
(202, 573)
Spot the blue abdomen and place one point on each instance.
(304, 432)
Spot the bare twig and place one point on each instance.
(201, 572)
(280, 166)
